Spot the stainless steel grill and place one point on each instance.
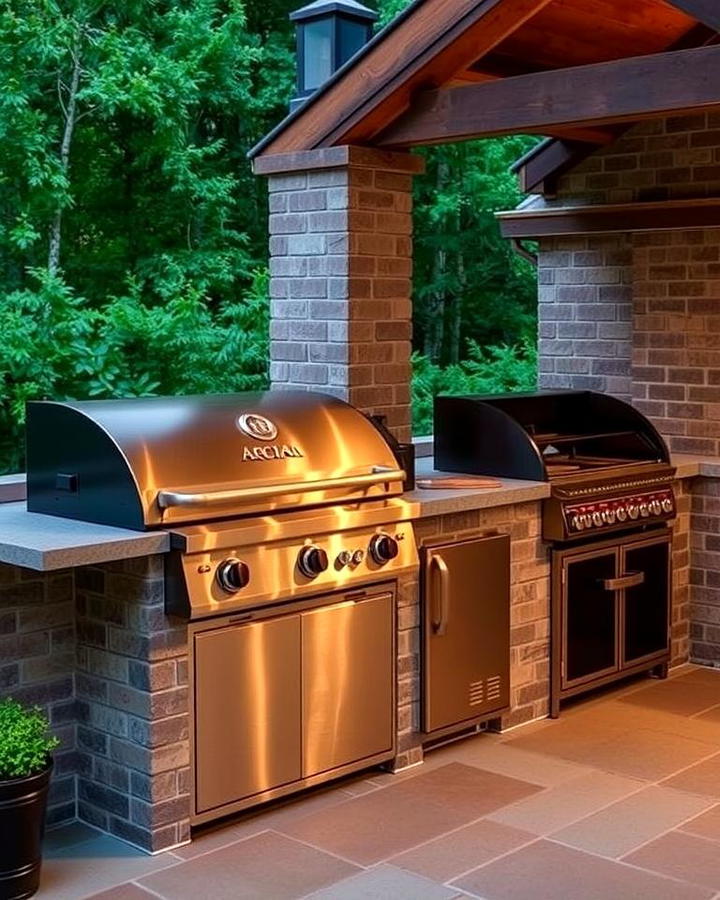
(269, 496)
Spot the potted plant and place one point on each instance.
(25, 767)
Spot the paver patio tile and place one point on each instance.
(684, 698)
(379, 825)
(264, 866)
(83, 869)
(124, 892)
(449, 856)
(548, 871)
(383, 883)
(682, 856)
(702, 778)
(620, 828)
(566, 803)
(705, 825)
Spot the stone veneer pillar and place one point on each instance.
(341, 268)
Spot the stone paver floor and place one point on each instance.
(619, 798)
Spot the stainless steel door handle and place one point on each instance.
(440, 624)
(632, 579)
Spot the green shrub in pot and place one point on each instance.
(26, 747)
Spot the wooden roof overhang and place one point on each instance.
(579, 71)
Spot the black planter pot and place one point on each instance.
(23, 802)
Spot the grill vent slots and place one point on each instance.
(477, 692)
(485, 691)
(493, 686)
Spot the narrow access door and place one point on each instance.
(466, 630)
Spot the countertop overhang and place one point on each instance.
(47, 543)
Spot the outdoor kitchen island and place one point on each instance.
(86, 635)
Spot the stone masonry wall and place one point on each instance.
(37, 640)
(341, 266)
(675, 324)
(705, 572)
(132, 706)
(676, 357)
(110, 670)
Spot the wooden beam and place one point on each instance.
(434, 40)
(707, 12)
(623, 90)
(541, 170)
(611, 218)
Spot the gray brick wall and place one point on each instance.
(95, 650)
(585, 314)
(37, 649)
(132, 706)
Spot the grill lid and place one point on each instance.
(146, 462)
(542, 435)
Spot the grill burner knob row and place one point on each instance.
(383, 548)
(312, 561)
(233, 575)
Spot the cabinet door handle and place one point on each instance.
(632, 579)
(440, 624)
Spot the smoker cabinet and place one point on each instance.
(288, 701)
(466, 627)
(611, 612)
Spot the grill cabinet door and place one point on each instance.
(247, 710)
(348, 676)
(647, 604)
(590, 617)
(467, 630)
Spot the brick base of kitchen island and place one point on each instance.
(94, 647)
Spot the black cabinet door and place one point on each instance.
(646, 604)
(590, 617)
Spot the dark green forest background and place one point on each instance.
(133, 243)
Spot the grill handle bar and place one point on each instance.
(379, 474)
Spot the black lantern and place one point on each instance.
(329, 32)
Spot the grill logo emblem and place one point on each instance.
(257, 427)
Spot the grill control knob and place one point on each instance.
(633, 511)
(576, 523)
(667, 505)
(344, 558)
(357, 557)
(621, 513)
(383, 548)
(312, 561)
(644, 510)
(597, 519)
(609, 516)
(655, 507)
(233, 575)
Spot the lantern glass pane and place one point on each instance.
(317, 53)
(353, 36)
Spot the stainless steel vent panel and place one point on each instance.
(146, 462)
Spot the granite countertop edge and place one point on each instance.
(47, 543)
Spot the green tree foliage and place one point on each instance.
(133, 235)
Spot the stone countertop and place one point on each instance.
(438, 502)
(44, 543)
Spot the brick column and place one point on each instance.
(341, 267)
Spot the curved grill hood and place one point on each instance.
(150, 462)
